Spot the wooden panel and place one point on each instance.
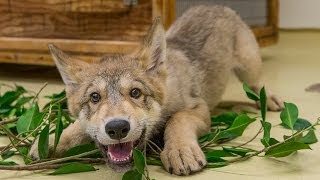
(31, 19)
(50, 6)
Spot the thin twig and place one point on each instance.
(87, 160)
(36, 129)
(30, 168)
(211, 141)
(70, 158)
(146, 174)
(37, 95)
(10, 138)
(7, 121)
(51, 164)
(253, 138)
(9, 134)
(19, 145)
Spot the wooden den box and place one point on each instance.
(91, 28)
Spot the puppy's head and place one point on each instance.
(118, 100)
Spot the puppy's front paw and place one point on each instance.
(34, 154)
(182, 158)
(274, 103)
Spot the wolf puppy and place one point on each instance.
(171, 84)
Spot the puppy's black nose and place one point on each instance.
(117, 129)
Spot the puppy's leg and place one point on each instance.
(72, 136)
(249, 66)
(182, 153)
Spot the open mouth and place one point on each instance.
(120, 156)
(120, 153)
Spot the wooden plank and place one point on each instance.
(35, 58)
(72, 45)
(131, 25)
(53, 6)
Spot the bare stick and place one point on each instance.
(254, 137)
(37, 95)
(7, 121)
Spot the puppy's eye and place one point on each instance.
(135, 93)
(95, 97)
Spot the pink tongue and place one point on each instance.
(120, 151)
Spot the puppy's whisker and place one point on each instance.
(154, 144)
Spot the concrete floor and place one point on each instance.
(289, 67)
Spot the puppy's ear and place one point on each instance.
(71, 70)
(154, 47)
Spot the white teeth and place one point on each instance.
(118, 160)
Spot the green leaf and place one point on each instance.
(23, 100)
(43, 147)
(26, 121)
(251, 94)
(225, 118)
(309, 138)
(215, 165)
(73, 168)
(300, 124)
(57, 97)
(218, 153)
(7, 154)
(271, 142)
(263, 103)
(25, 152)
(59, 129)
(289, 114)
(139, 162)
(286, 149)
(82, 149)
(154, 162)
(266, 132)
(213, 159)
(238, 151)
(237, 127)
(132, 175)
(207, 137)
(7, 163)
(9, 97)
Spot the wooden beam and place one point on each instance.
(273, 17)
(93, 47)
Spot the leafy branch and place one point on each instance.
(23, 121)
